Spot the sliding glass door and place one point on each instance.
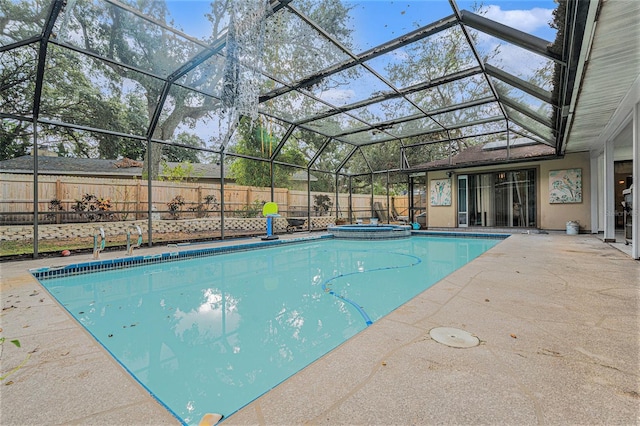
(501, 199)
(463, 201)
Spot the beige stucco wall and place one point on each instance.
(441, 216)
(549, 216)
(556, 216)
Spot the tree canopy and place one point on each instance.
(254, 138)
(123, 74)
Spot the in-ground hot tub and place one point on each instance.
(370, 232)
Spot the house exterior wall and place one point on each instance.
(442, 216)
(556, 216)
(549, 216)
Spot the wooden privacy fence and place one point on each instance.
(127, 199)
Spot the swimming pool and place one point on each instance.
(210, 334)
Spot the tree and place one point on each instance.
(112, 32)
(443, 54)
(257, 173)
(67, 95)
(124, 117)
(179, 154)
(70, 93)
(121, 37)
(308, 144)
(293, 61)
(16, 81)
(309, 54)
(30, 16)
(178, 173)
(14, 139)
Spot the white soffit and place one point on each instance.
(612, 68)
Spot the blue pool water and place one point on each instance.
(211, 334)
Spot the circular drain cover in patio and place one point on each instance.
(454, 337)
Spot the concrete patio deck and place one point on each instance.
(557, 316)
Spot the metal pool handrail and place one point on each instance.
(139, 242)
(96, 250)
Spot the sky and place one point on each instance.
(377, 21)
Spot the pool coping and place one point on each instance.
(460, 234)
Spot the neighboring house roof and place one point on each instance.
(302, 175)
(64, 165)
(113, 168)
(491, 153)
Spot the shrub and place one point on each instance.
(175, 206)
(321, 204)
(252, 210)
(210, 202)
(93, 208)
(55, 205)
